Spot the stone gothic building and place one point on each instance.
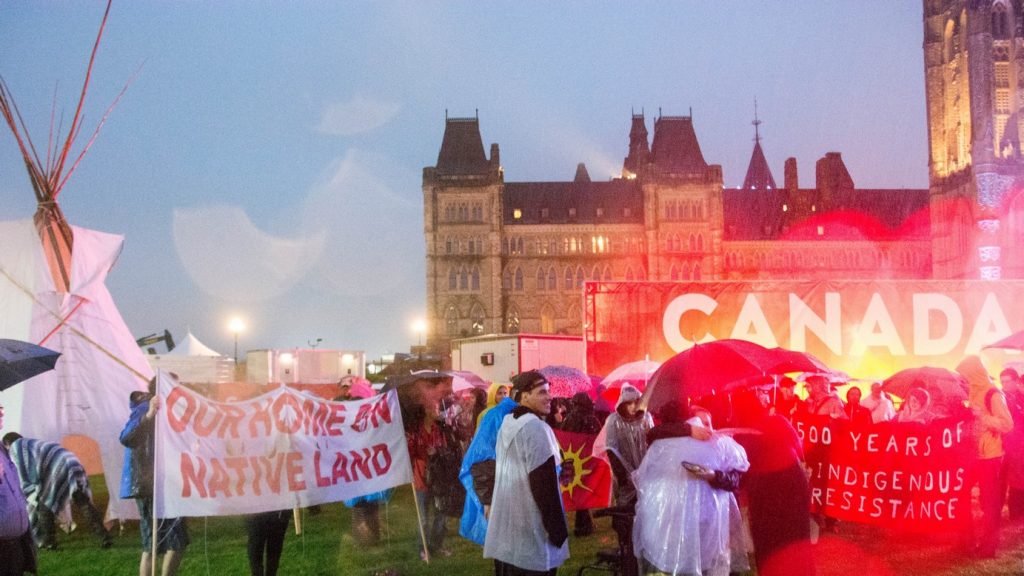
(974, 74)
(507, 257)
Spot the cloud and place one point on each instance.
(372, 230)
(358, 115)
(229, 257)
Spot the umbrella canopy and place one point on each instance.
(565, 381)
(20, 361)
(1011, 342)
(465, 380)
(632, 372)
(946, 387)
(721, 366)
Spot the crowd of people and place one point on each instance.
(491, 458)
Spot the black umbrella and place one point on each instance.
(20, 361)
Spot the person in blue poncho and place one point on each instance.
(477, 471)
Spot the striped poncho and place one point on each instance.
(49, 473)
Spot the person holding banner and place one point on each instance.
(137, 482)
(1013, 443)
(527, 533)
(917, 407)
(266, 532)
(879, 403)
(992, 420)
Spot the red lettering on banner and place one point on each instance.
(179, 423)
(260, 415)
(321, 481)
(340, 469)
(335, 419)
(287, 414)
(353, 466)
(191, 477)
(233, 416)
(294, 464)
(201, 428)
(381, 459)
(360, 463)
(238, 464)
(254, 462)
(219, 481)
(371, 415)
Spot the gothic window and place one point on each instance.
(478, 212)
(673, 273)
(629, 274)
(506, 281)
(463, 279)
(579, 277)
(700, 242)
(696, 272)
(452, 279)
(552, 246)
(519, 246)
(504, 246)
(474, 278)
(693, 243)
(472, 246)
(477, 316)
(1000, 25)
(552, 279)
(518, 280)
(575, 318)
(451, 320)
(595, 274)
(689, 211)
(607, 274)
(448, 213)
(541, 279)
(568, 279)
(512, 321)
(547, 319)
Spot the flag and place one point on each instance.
(591, 486)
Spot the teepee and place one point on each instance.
(52, 292)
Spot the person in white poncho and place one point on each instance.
(527, 533)
(687, 518)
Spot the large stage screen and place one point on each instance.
(868, 329)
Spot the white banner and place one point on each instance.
(282, 450)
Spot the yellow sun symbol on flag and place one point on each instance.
(575, 457)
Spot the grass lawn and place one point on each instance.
(325, 547)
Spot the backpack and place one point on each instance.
(443, 486)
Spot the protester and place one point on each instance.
(582, 420)
(477, 473)
(687, 517)
(17, 550)
(52, 477)
(992, 420)
(420, 396)
(785, 401)
(879, 403)
(917, 407)
(623, 442)
(822, 400)
(495, 394)
(776, 486)
(856, 413)
(1013, 443)
(137, 482)
(559, 410)
(527, 533)
(266, 532)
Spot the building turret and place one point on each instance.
(639, 151)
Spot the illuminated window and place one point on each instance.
(517, 214)
(627, 212)
(785, 207)
(821, 230)
(572, 213)
(600, 212)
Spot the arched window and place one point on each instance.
(595, 274)
(541, 279)
(568, 279)
(696, 272)
(512, 321)
(700, 242)
(463, 278)
(607, 273)
(448, 245)
(629, 274)
(552, 279)
(693, 243)
(574, 318)
(477, 316)
(453, 279)
(451, 320)
(579, 277)
(518, 286)
(547, 319)
(506, 281)
(673, 273)
(474, 278)
(1000, 23)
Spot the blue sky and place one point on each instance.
(267, 159)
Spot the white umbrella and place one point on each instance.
(464, 380)
(639, 371)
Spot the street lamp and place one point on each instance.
(419, 326)
(236, 326)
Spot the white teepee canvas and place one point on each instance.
(87, 393)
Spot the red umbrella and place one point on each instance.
(720, 367)
(947, 389)
(1012, 342)
(565, 381)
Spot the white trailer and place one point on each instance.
(499, 357)
(303, 366)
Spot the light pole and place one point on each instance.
(236, 326)
(419, 326)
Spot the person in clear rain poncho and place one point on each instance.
(623, 442)
(527, 533)
(687, 518)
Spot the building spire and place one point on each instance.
(759, 176)
(756, 123)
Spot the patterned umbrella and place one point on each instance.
(20, 361)
(565, 381)
(464, 380)
(636, 373)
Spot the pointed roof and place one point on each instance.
(675, 149)
(462, 149)
(581, 173)
(759, 175)
(192, 347)
(639, 150)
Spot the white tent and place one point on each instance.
(87, 393)
(194, 362)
